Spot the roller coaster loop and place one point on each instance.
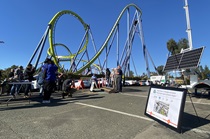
(136, 24)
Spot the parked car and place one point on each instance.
(143, 82)
(131, 82)
(126, 83)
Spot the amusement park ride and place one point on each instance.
(81, 60)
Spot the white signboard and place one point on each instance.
(166, 105)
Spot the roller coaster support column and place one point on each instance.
(41, 44)
(94, 46)
(129, 45)
(118, 45)
(144, 48)
(74, 59)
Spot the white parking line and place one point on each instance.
(115, 111)
(133, 95)
(137, 116)
(140, 117)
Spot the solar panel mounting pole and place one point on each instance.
(188, 25)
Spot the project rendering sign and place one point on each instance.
(166, 104)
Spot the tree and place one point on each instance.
(172, 46)
(160, 70)
(6, 71)
(131, 74)
(152, 73)
(176, 47)
(144, 76)
(206, 72)
(182, 44)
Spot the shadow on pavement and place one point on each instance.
(36, 101)
(137, 89)
(190, 122)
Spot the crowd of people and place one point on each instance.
(48, 78)
(113, 79)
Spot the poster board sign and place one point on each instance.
(166, 105)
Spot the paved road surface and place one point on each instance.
(97, 115)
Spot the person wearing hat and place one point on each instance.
(50, 72)
(47, 60)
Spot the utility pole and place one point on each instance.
(188, 25)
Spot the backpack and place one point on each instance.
(40, 79)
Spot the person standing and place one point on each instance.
(40, 78)
(18, 76)
(112, 78)
(118, 75)
(50, 72)
(28, 75)
(10, 77)
(108, 76)
(60, 80)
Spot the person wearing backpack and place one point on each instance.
(41, 76)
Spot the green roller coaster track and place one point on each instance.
(50, 32)
(108, 38)
(70, 55)
(52, 24)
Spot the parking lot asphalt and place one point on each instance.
(98, 115)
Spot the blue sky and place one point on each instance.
(23, 23)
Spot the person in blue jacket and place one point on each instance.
(50, 72)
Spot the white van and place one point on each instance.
(159, 79)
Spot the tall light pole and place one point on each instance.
(188, 25)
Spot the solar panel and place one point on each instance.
(185, 60)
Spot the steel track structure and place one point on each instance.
(123, 61)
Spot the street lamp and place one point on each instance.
(1, 41)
